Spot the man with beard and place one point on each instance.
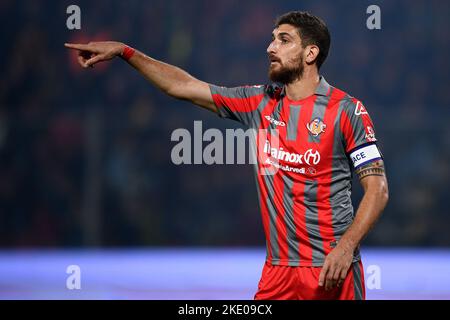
(310, 137)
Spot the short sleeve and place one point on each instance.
(359, 134)
(239, 103)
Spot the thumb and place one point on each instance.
(91, 62)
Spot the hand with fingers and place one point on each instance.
(95, 52)
(335, 268)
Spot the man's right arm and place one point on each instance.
(169, 79)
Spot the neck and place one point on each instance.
(304, 87)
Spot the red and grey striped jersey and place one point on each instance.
(306, 151)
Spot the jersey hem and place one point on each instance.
(298, 263)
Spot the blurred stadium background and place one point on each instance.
(85, 171)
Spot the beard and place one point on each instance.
(287, 75)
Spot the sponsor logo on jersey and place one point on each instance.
(316, 127)
(360, 109)
(370, 134)
(310, 157)
(275, 122)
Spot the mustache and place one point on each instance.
(273, 58)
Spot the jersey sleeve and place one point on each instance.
(240, 103)
(359, 136)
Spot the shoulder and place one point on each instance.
(244, 91)
(254, 90)
(240, 92)
(348, 102)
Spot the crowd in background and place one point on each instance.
(85, 155)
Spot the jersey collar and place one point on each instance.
(277, 89)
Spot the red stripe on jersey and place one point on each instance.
(262, 185)
(325, 212)
(238, 104)
(347, 131)
(280, 222)
(305, 249)
(265, 215)
(278, 197)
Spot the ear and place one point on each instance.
(312, 51)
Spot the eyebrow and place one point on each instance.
(281, 34)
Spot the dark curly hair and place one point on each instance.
(312, 30)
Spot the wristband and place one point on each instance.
(127, 53)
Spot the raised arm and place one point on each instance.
(169, 79)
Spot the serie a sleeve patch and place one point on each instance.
(364, 155)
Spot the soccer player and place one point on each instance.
(304, 179)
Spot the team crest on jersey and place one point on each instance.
(316, 127)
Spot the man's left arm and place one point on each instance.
(373, 180)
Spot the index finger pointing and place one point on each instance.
(76, 46)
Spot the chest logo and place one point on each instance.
(275, 122)
(316, 127)
(312, 157)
